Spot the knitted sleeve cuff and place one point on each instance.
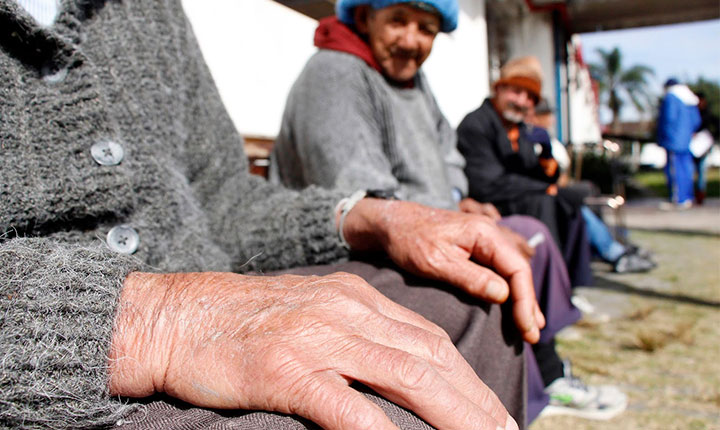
(57, 309)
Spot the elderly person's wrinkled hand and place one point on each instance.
(518, 241)
(447, 246)
(489, 210)
(292, 344)
(472, 206)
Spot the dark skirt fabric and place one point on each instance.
(553, 291)
(553, 288)
(566, 226)
(484, 334)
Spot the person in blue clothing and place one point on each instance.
(679, 118)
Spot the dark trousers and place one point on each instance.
(566, 225)
(553, 291)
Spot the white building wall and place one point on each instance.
(584, 117)
(256, 48)
(533, 35)
(458, 66)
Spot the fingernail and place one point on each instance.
(495, 290)
(532, 335)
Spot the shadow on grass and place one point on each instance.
(607, 284)
(691, 233)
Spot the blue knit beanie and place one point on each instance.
(448, 9)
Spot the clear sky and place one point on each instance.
(684, 51)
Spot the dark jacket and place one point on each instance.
(495, 172)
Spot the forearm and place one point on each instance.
(134, 361)
(165, 319)
(364, 225)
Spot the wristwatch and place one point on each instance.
(382, 193)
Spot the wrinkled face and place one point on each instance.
(513, 102)
(400, 37)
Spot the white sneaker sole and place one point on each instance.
(590, 414)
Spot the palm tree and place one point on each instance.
(620, 84)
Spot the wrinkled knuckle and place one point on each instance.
(346, 277)
(444, 354)
(281, 364)
(297, 281)
(330, 293)
(415, 373)
(435, 259)
(357, 288)
(348, 282)
(291, 277)
(525, 266)
(424, 265)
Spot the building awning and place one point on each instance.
(583, 15)
(313, 8)
(597, 15)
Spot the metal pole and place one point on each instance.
(557, 41)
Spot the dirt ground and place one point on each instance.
(655, 335)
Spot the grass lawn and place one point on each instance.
(656, 185)
(659, 340)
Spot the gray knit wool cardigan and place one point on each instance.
(129, 72)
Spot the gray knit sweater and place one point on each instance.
(346, 127)
(132, 73)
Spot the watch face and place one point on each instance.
(386, 194)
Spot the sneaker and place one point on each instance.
(670, 206)
(570, 396)
(645, 253)
(633, 262)
(583, 304)
(687, 204)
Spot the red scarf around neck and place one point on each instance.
(333, 34)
